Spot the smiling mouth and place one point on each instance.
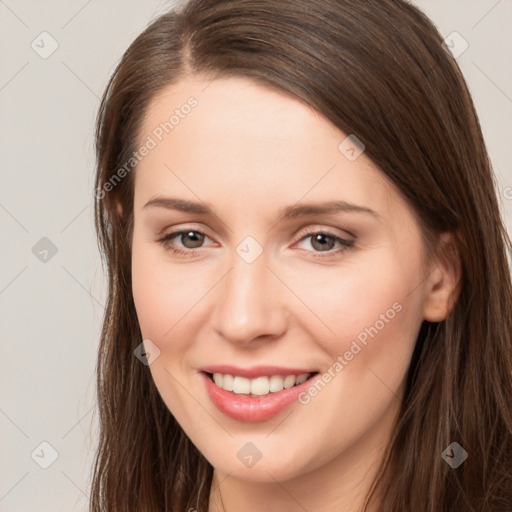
(259, 386)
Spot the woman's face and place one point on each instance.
(298, 255)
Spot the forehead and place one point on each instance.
(234, 109)
(237, 138)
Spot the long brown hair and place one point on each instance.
(378, 69)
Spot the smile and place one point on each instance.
(255, 399)
(260, 385)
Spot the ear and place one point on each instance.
(444, 281)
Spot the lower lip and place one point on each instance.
(252, 409)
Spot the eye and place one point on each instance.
(325, 242)
(190, 238)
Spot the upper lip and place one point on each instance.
(254, 371)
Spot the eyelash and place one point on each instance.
(345, 244)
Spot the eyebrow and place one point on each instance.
(289, 212)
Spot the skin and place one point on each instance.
(249, 151)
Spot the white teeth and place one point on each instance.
(218, 378)
(260, 385)
(289, 381)
(227, 382)
(301, 378)
(276, 383)
(241, 385)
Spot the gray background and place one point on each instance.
(52, 304)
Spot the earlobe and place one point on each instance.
(444, 281)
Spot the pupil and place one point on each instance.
(320, 238)
(193, 235)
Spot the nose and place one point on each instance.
(249, 304)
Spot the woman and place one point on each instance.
(309, 296)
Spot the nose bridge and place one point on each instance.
(249, 300)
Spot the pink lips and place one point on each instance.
(248, 408)
(254, 371)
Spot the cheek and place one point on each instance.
(168, 297)
(148, 293)
(375, 319)
(371, 312)
(154, 291)
(164, 302)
